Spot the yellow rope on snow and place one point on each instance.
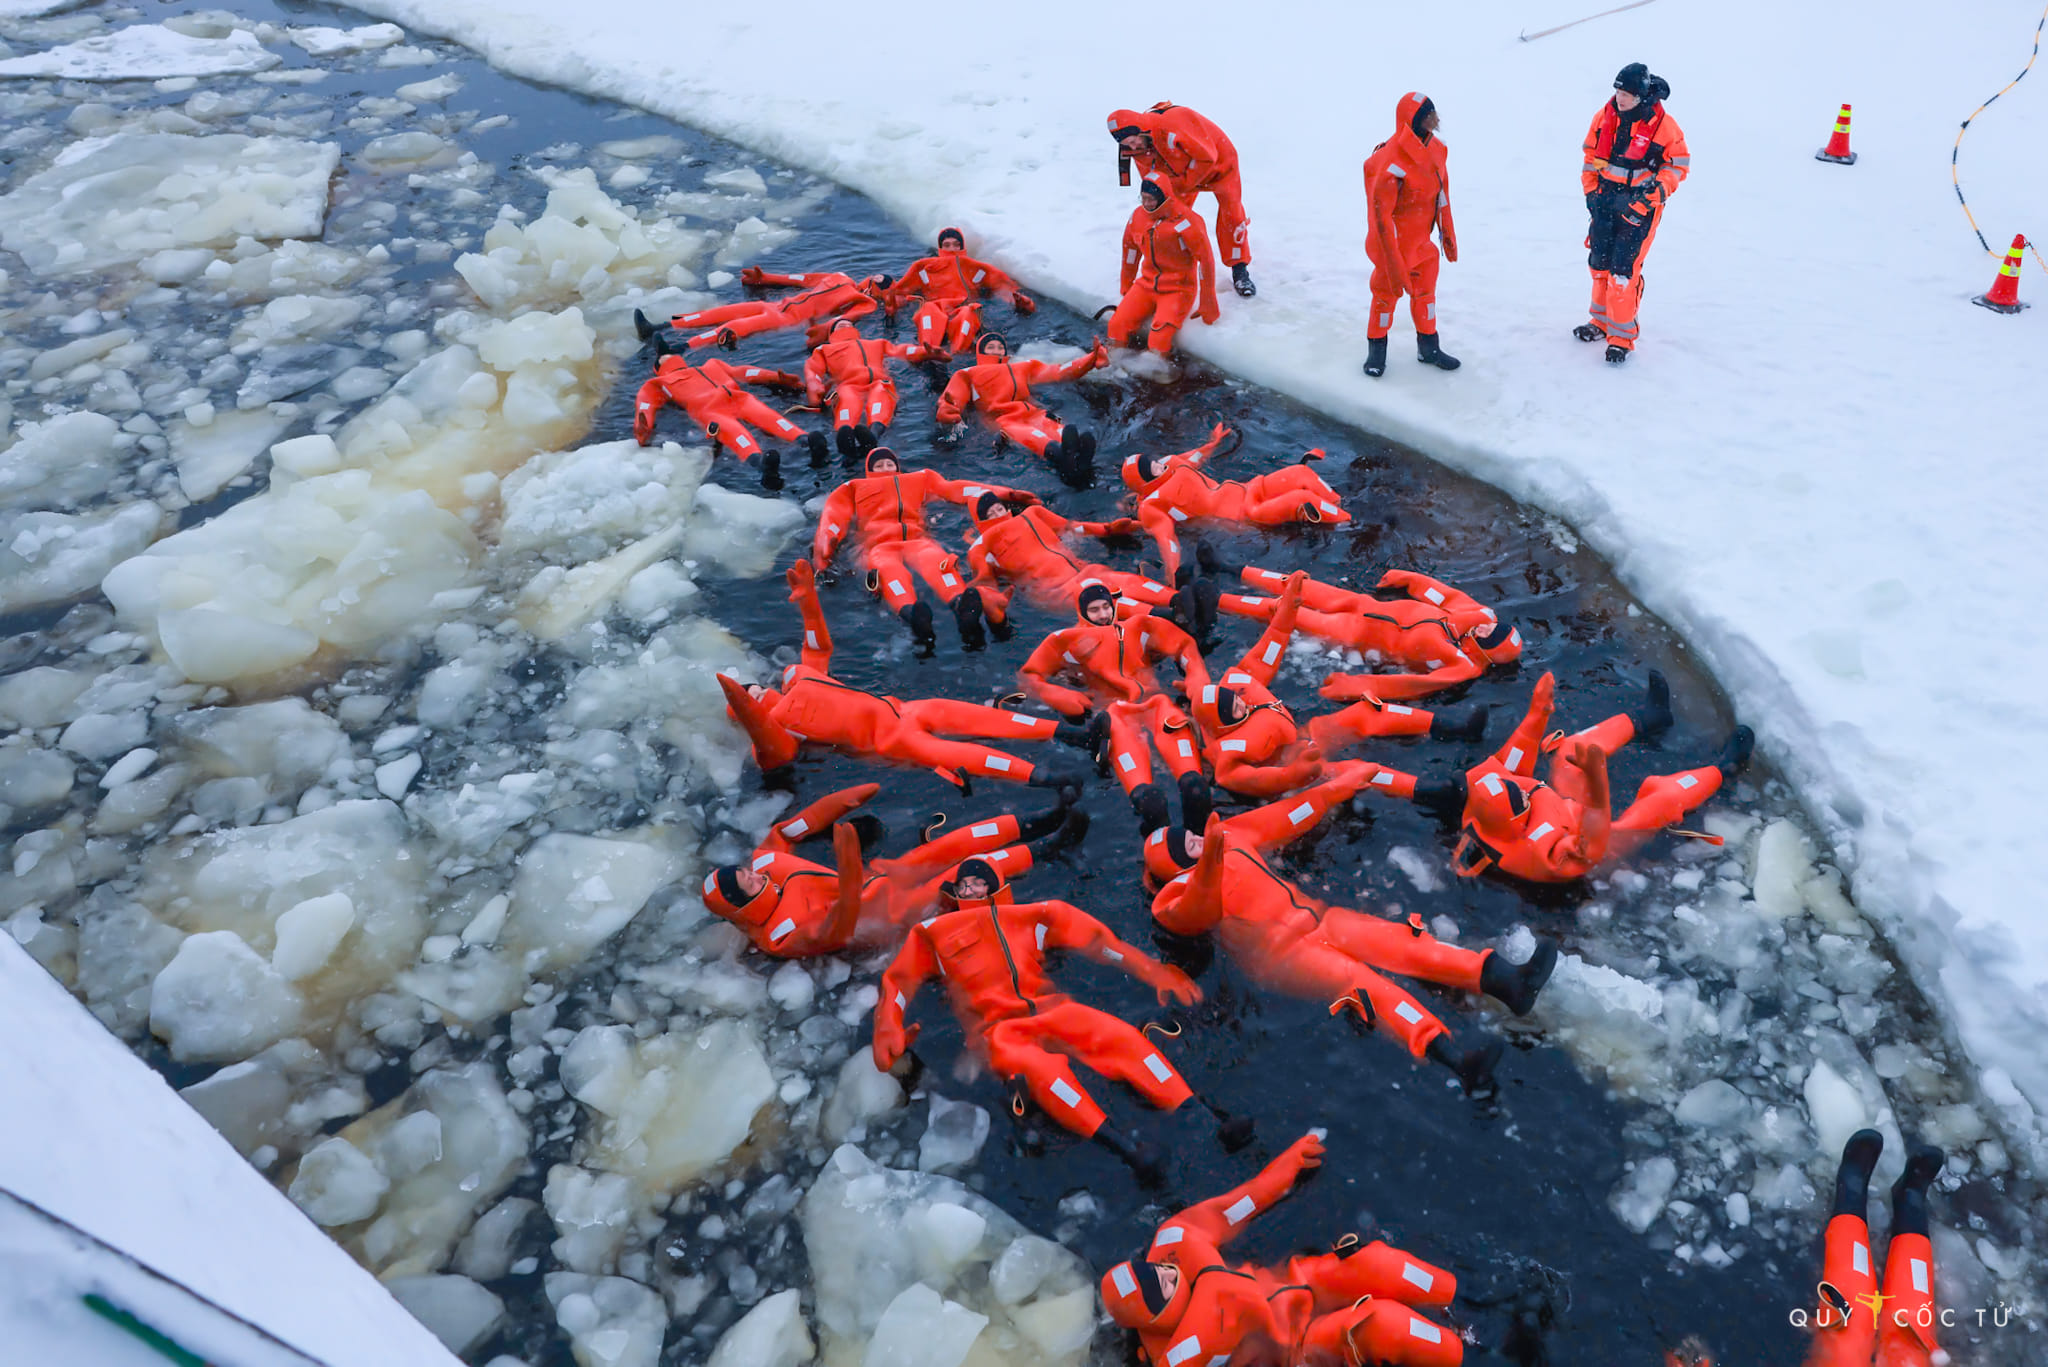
(1954, 157)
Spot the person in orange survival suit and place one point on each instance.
(713, 396)
(1113, 662)
(1027, 550)
(1000, 390)
(884, 509)
(1188, 154)
(853, 373)
(1169, 271)
(1174, 489)
(791, 908)
(1355, 1306)
(950, 287)
(1408, 184)
(1857, 1322)
(813, 706)
(1635, 157)
(1248, 736)
(990, 952)
(821, 295)
(1555, 831)
(1295, 943)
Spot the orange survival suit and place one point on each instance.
(1028, 551)
(886, 512)
(1350, 1308)
(1407, 183)
(1000, 390)
(950, 287)
(820, 295)
(853, 373)
(1174, 489)
(1190, 154)
(712, 395)
(1259, 752)
(1633, 163)
(1855, 1325)
(813, 706)
(1169, 271)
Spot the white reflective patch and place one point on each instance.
(1514, 636)
(711, 883)
(1123, 1281)
(1126, 763)
(999, 763)
(1238, 677)
(782, 931)
(978, 277)
(762, 861)
(1424, 1330)
(1545, 829)
(1859, 1257)
(1688, 781)
(948, 580)
(924, 277)
(1039, 929)
(1176, 514)
(1169, 1235)
(1112, 956)
(900, 1003)
(1491, 782)
(1515, 757)
(1302, 813)
(1028, 723)
(1272, 652)
(1434, 664)
(1065, 1092)
(796, 828)
(895, 586)
(1396, 172)
(1182, 226)
(811, 639)
(1182, 1351)
(1157, 1067)
(996, 856)
(1068, 656)
(974, 491)
(1400, 711)
(984, 828)
(1408, 1013)
(1234, 747)
(1152, 839)
(1919, 1274)
(1411, 1273)
(1209, 693)
(1187, 751)
(1218, 1360)
(1237, 1211)
(1384, 778)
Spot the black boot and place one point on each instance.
(967, 616)
(1735, 752)
(918, 617)
(1057, 773)
(1444, 797)
(1241, 277)
(1196, 802)
(641, 327)
(1909, 1193)
(821, 453)
(1429, 353)
(1852, 1178)
(1474, 1067)
(1082, 444)
(1616, 355)
(1233, 1132)
(1146, 1159)
(1458, 723)
(1653, 718)
(771, 470)
(1002, 628)
(1072, 830)
(662, 348)
(870, 830)
(1090, 735)
(1375, 356)
(1588, 332)
(1150, 804)
(848, 443)
(1056, 456)
(1029, 828)
(864, 436)
(1515, 985)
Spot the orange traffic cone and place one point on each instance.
(2004, 294)
(1837, 150)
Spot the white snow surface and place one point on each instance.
(144, 52)
(1820, 464)
(132, 1165)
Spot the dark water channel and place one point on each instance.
(1510, 1194)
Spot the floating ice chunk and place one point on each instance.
(945, 1236)
(33, 778)
(1783, 859)
(48, 557)
(1421, 871)
(590, 500)
(440, 87)
(31, 9)
(319, 40)
(408, 56)
(920, 1328)
(791, 988)
(656, 145)
(455, 1309)
(487, 1251)
(627, 178)
(862, 1093)
(284, 742)
(60, 359)
(652, 593)
(1638, 1199)
(556, 601)
(672, 1107)
(208, 457)
(395, 776)
(1834, 1107)
(40, 696)
(218, 1001)
(740, 534)
(109, 201)
(953, 1136)
(310, 932)
(337, 1184)
(1714, 1105)
(572, 892)
(772, 1334)
(396, 150)
(744, 180)
(294, 318)
(593, 1212)
(583, 246)
(611, 1322)
(143, 52)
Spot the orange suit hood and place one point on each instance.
(1126, 1303)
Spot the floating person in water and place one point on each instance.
(1860, 1320)
(999, 389)
(1355, 1306)
(884, 511)
(813, 707)
(1173, 490)
(1027, 549)
(820, 297)
(990, 952)
(848, 378)
(949, 289)
(792, 908)
(714, 396)
(1555, 831)
(1169, 272)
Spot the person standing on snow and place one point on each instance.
(1188, 154)
(1408, 187)
(1635, 157)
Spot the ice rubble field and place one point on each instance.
(1818, 467)
(272, 889)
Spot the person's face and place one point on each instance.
(949, 243)
(1151, 203)
(752, 881)
(1625, 101)
(1432, 121)
(1101, 611)
(997, 512)
(1193, 843)
(756, 692)
(1135, 143)
(970, 887)
(995, 350)
(1234, 711)
(882, 466)
(1169, 1279)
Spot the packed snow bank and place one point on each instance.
(146, 52)
(1802, 479)
(127, 1162)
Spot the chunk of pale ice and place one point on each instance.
(945, 1237)
(920, 1328)
(611, 1322)
(319, 40)
(790, 987)
(110, 201)
(218, 1001)
(283, 742)
(1638, 1199)
(863, 1092)
(584, 246)
(309, 933)
(572, 892)
(441, 87)
(394, 151)
(1783, 862)
(742, 180)
(455, 1309)
(1419, 869)
(30, 9)
(1714, 1105)
(669, 1108)
(145, 51)
(295, 318)
(48, 557)
(592, 499)
(337, 1184)
(1059, 1325)
(487, 1251)
(953, 1135)
(32, 778)
(41, 696)
(593, 1214)
(772, 1334)
(741, 534)
(208, 457)
(59, 462)
(1015, 1276)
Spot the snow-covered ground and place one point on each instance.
(1820, 464)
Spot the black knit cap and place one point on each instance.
(1146, 1273)
(1177, 846)
(953, 233)
(985, 506)
(1092, 593)
(1633, 78)
(729, 887)
(987, 337)
(1226, 704)
(1152, 188)
(977, 868)
(1147, 465)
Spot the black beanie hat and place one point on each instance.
(1177, 846)
(987, 337)
(1422, 111)
(953, 233)
(729, 887)
(1152, 188)
(1146, 1274)
(986, 504)
(1633, 78)
(1148, 466)
(978, 868)
(1092, 593)
(1129, 130)
(1226, 700)
(887, 453)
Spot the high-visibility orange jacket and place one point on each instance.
(951, 277)
(1168, 250)
(1114, 662)
(999, 387)
(889, 508)
(1179, 491)
(700, 390)
(1643, 150)
(847, 358)
(1408, 184)
(1189, 152)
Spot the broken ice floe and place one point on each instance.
(143, 52)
